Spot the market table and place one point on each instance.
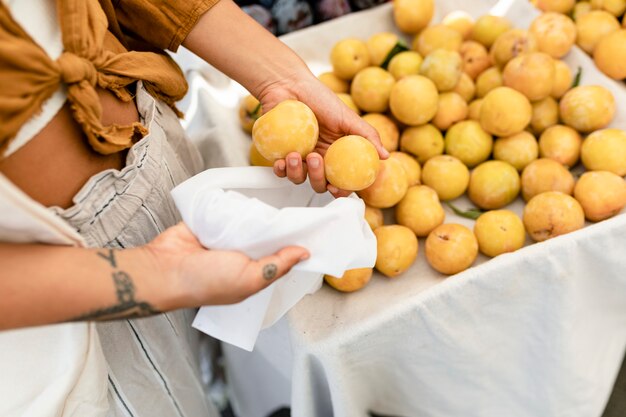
(539, 332)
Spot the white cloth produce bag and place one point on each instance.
(249, 209)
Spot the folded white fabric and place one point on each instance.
(250, 210)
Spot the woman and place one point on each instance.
(91, 146)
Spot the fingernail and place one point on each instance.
(333, 189)
(385, 153)
(281, 165)
(314, 163)
(305, 256)
(293, 162)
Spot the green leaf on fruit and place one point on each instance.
(577, 78)
(471, 213)
(398, 47)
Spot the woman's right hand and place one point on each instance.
(198, 276)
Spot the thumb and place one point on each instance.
(266, 270)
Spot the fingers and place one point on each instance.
(336, 192)
(296, 172)
(280, 168)
(373, 137)
(317, 176)
(362, 128)
(268, 269)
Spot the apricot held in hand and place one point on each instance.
(291, 126)
(351, 163)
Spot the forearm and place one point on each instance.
(43, 284)
(234, 43)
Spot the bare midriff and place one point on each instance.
(53, 166)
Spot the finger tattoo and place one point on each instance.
(269, 271)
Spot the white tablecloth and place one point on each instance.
(540, 332)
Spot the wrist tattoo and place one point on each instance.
(269, 271)
(127, 306)
(109, 257)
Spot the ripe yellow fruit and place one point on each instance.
(371, 89)
(469, 142)
(374, 217)
(397, 249)
(348, 57)
(291, 126)
(351, 163)
(559, 6)
(562, 79)
(410, 165)
(531, 74)
(592, 27)
(336, 84)
(460, 21)
(405, 63)
(555, 33)
(605, 150)
(561, 143)
(519, 150)
(249, 112)
(476, 58)
(389, 186)
(386, 128)
(487, 28)
(423, 142)
(545, 114)
(498, 232)
(447, 175)
(473, 110)
(465, 88)
(610, 54)
(488, 80)
(413, 100)
(615, 7)
(352, 280)
(505, 112)
(587, 108)
(602, 194)
(411, 16)
(510, 44)
(437, 37)
(552, 214)
(443, 68)
(580, 9)
(451, 248)
(452, 108)
(420, 210)
(493, 184)
(544, 175)
(379, 45)
(256, 159)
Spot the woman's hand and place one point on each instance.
(200, 276)
(335, 120)
(272, 72)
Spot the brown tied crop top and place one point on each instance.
(95, 37)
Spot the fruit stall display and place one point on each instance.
(599, 27)
(501, 130)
